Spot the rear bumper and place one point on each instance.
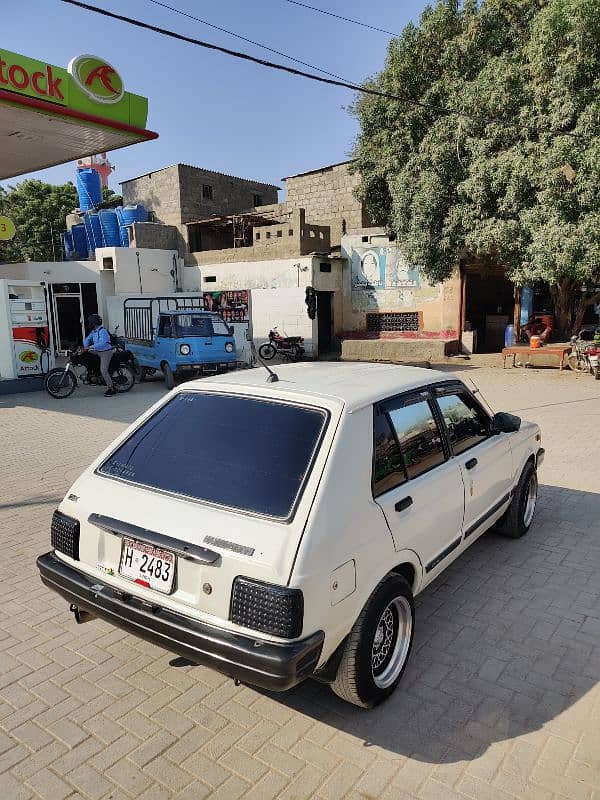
(269, 665)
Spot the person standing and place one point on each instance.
(98, 342)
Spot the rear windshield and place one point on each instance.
(241, 452)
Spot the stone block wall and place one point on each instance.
(327, 195)
(230, 195)
(176, 195)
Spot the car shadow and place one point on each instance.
(506, 642)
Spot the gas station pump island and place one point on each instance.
(50, 115)
(25, 346)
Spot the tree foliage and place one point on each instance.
(38, 210)
(515, 179)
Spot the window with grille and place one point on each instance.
(393, 321)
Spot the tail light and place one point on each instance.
(592, 351)
(64, 535)
(268, 608)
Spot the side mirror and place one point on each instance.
(503, 422)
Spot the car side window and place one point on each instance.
(388, 466)
(416, 429)
(466, 423)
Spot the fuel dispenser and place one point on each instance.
(26, 348)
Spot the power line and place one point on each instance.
(243, 38)
(281, 67)
(345, 19)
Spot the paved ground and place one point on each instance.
(501, 699)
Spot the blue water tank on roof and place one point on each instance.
(93, 231)
(89, 189)
(135, 213)
(80, 245)
(109, 225)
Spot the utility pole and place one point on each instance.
(52, 237)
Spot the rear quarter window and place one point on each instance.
(243, 453)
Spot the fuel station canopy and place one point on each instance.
(50, 115)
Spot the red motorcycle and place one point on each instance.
(290, 347)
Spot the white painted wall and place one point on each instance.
(284, 309)
(142, 271)
(283, 273)
(277, 292)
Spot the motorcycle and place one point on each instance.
(290, 347)
(585, 352)
(62, 381)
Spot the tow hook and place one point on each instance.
(80, 615)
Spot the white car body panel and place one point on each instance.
(341, 541)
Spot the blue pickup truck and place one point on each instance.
(177, 336)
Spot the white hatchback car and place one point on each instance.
(280, 530)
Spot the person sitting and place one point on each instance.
(535, 327)
(98, 342)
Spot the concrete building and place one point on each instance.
(77, 289)
(181, 193)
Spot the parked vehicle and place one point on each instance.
(290, 347)
(279, 528)
(176, 335)
(83, 366)
(585, 349)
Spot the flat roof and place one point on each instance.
(318, 169)
(202, 169)
(355, 384)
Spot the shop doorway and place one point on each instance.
(325, 322)
(72, 303)
(489, 306)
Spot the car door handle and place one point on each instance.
(472, 462)
(403, 504)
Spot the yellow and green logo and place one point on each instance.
(7, 229)
(97, 78)
(28, 356)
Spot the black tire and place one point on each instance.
(59, 384)
(169, 376)
(267, 351)
(139, 371)
(362, 679)
(123, 378)
(296, 352)
(519, 516)
(597, 374)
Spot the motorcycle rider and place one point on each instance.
(98, 342)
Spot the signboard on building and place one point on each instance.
(382, 268)
(231, 304)
(7, 229)
(90, 85)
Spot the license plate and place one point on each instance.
(147, 565)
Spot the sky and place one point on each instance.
(211, 110)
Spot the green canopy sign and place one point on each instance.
(90, 86)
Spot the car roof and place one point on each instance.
(354, 384)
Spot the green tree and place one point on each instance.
(515, 178)
(38, 210)
(108, 196)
